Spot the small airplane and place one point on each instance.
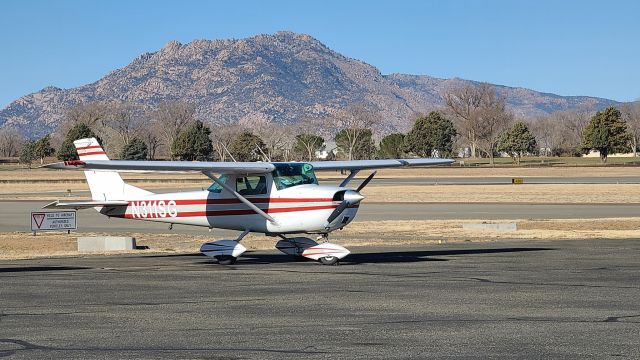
(275, 198)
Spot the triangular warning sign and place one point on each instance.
(38, 218)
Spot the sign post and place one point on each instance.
(53, 220)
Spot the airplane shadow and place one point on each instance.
(425, 255)
(376, 257)
(40, 268)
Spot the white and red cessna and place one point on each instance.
(276, 199)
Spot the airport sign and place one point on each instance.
(53, 220)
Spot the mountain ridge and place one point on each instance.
(282, 77)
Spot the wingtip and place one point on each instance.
(51, 204)
(67, 164)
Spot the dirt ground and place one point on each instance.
(20, 245)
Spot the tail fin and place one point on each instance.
(104, 185)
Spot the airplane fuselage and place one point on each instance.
(298, 209)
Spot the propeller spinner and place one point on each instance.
(349, 198)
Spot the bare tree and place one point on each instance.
(172, 118)
(464, 104)
(10, 141)
(631, 114)
(222, 135)
(91, 114)
(88, 113)
(572, 123)
(549, 135)
(308, 131)
(493, 119)
(277, 140)
(352, 121)
(151, 137)
(123, 120)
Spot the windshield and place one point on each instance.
(291, 174)
(215, 188)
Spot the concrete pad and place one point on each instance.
(105, 243)
(484, 226)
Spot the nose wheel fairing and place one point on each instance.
(327, 253)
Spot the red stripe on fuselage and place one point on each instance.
(236, 201)
(211, 213)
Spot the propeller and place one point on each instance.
(337, 211)
(350, 197)
(366, 181)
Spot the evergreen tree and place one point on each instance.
(42, 148)
(355, 144)
(27, 152)
(517, 141)
(135, 149)
(433, 132)
(247, 147)
(607, 133)
(392, 146)
(193, 143)
(79, 131)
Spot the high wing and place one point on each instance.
(83, 204)
(355, 165)
(235, 167)
(169, 166)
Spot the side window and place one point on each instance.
(251, 185)
(215, 188)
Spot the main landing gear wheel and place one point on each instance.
(226, 259)
(329, 260)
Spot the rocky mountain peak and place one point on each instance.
(281, 77)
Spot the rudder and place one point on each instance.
(104, 185)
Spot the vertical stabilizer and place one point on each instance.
(104, 185)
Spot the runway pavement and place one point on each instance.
(521, 299)
(14, 215)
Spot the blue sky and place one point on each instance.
(565, 47)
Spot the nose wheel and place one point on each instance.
(329, 260)
(226, 259)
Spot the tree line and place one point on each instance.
(473, 122)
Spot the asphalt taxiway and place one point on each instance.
(520, 299)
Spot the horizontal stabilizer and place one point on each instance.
(83, 204)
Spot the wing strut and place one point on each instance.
(352, 174)
(251, 205)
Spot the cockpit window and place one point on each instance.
(215, 188)
(291, 174)
(251, 185)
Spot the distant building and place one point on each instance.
(596, 153)
(330, 151)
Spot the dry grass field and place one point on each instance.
(20, 245)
